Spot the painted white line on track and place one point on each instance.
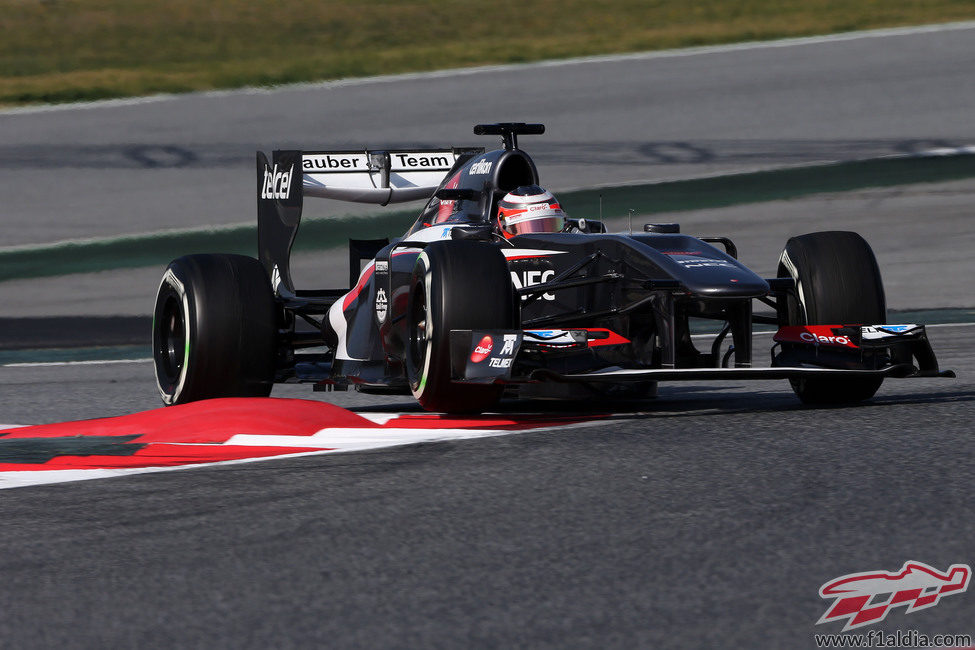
(138, 237)
(358, 439)
(462, 72)
(379, 418)
(91, 362)
(48, 477)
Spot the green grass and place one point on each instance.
(69, 50)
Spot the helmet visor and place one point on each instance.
(523, 222)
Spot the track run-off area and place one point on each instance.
(709, 516)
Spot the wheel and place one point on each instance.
(455, 285)
(213, 329)
(838, 283)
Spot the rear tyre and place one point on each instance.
(838, 283)
(213, 329)
(455, 285)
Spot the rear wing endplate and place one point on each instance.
(379, 177)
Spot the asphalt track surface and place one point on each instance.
(707, 518)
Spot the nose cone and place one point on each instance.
(718, 278)
(703, 269)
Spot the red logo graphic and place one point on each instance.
(865, 598)
(482, 350)
(815, 334)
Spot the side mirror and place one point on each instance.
(478, 232)
(458, 195)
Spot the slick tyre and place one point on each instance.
(838, 282)
(454, 285)
(213, 329)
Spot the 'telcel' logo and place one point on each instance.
(865, 598)
(277, 184)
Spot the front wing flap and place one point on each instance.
(820, 351)
(866, 347)
(483, 357)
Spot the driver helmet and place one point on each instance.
(529, 209)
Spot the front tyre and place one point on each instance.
(455, 285)
(838, 283)
(213, 329)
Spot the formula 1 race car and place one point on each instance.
(460, 310)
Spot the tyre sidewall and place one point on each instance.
(229, 320)
(466, 286)
(838, 283)
(171, 287)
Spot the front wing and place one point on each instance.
(821, 351)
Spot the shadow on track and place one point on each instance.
(684, 401)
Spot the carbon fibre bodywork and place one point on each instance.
(592, 307)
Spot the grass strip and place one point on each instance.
(71, 50)
(645, 199)
(76, 354)
(769, 185)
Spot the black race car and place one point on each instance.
(459, 314)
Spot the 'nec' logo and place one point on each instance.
(530, 278)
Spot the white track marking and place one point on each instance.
(380, 418)
(51, 364)
(949, 151)
(137, 237)
(48, 477)
(360, 439)
(463, 72)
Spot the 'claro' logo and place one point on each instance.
(482, 350)
(819, 338)
(277, 184)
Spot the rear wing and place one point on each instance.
(379, 177)
(362, 176)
